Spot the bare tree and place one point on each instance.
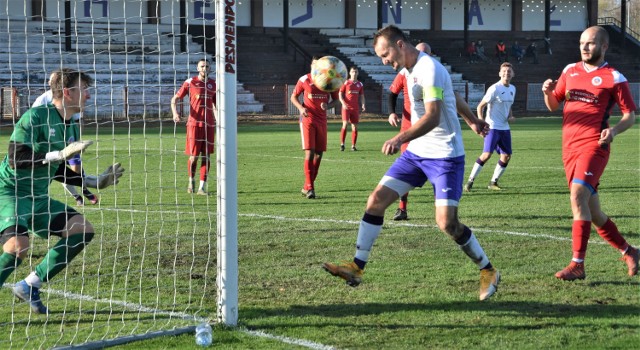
(611, 8)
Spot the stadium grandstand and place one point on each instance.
(128, 51)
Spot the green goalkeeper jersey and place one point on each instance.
(43, 130)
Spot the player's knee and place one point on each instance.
(15, 241)
(379, 200)
(448, 226)
(88, 236)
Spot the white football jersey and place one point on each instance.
(499, 99)
(429, 81)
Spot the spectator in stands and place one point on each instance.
(480, 52)
(532, 51)
(201, 125)
(351, 96)
(313, 126)
(517, 51)
(472, 53)
(75, 163)
(501, 51)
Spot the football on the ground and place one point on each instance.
(328, 73)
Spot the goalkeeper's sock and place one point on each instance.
(8, 263)
(33, 280)
(203, 184)
(61, 255)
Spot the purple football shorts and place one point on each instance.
(409, 171)
(498, 140)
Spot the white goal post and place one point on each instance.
(162, 260)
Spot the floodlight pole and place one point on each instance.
(227, 162)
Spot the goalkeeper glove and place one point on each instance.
(109, 177)
(68, 152)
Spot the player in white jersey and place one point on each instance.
(498, 99)
(435, 153)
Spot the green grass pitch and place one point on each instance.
(154, 256)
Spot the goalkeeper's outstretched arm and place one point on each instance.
(109, 177)
(67, 176)
(22, 156)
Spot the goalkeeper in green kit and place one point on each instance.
(42, 140)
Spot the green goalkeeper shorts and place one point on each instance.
(35, 213)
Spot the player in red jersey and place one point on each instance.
(201, 125)
(352, 97)
(589, 90)
(399, 84)
(313, 126)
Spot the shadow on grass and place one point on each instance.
(521, 308)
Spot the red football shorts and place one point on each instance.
(314, 136)
(200, 140)
(351, 115)
(585, 166)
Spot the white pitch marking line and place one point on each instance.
(141, 308)
(512, 233)
(352, 222)
(257, 333)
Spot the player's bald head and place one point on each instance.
(424, 47)
(599, 33)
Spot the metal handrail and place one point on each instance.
(616, 22)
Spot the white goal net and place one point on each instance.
(151, 266)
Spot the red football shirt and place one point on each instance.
(202, 98)
(312, 99)
(400, 84)
(351, 91)
(589, 97)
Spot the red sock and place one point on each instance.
(308, 176)
(580, 237)
(609, 232)
(192, 166)
(343, 135)
(354, 137)
(204, 169)
(316, 167)
(403, 202)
